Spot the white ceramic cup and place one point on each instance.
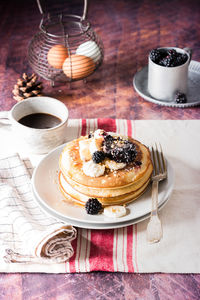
(164, 82)
(33, 140)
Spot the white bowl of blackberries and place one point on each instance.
(168, 73)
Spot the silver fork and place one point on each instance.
(154, 227)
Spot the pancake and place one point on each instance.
(112, 191)
(71, 167)
(113, 180)
(69, 192)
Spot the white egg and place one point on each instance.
(89, 49)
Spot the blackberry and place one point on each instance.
(98, 156)
(108, 144)
(184, 58)
(93, 206)
(168, 58)
(137, 163)
(181, 59)
(125, 154)
(90, 135)
(171, 52)
(180, 98)
(119, 150)
(168, 61)
(109, 138)
(155, 55)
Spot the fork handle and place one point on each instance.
(154, 210)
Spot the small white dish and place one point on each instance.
(46, 190)
(140, 83)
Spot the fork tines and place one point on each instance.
(158, 160)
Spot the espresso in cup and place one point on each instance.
(38, 124)
(168, 72)
(40, 121)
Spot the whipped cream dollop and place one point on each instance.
(93, 170)
(99, 133)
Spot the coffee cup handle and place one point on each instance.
(5, 120)
(189, 51)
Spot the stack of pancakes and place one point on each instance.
(114, 187)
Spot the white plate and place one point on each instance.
(46, 189)
(193, 95)
(93, 226)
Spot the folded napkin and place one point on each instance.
(27, 234)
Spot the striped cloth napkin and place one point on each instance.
(126, 249)
(27, 234)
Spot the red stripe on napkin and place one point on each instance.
(129, 133)
(136, 248)
(129, 248)
(72, 268)
(107, 124)
(83, 129)
(101, 250)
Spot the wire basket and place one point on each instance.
(66, 48)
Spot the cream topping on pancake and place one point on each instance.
(93, 170)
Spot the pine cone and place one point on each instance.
(27, 87)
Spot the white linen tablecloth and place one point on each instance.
(179, 250)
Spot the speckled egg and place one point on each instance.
(78, 66)
(89, 49)
(57, 55)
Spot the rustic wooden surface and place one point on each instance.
(129, 29)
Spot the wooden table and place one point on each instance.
(129, 30)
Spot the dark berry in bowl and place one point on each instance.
(93, 206)
(98, 157)
(181, 59)
(155, 55)
(168, 57)
(172, 52)
(180, 98)
(168, 61)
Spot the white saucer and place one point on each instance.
(47, 194)
(193, 95)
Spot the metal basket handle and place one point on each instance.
(84, 9)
